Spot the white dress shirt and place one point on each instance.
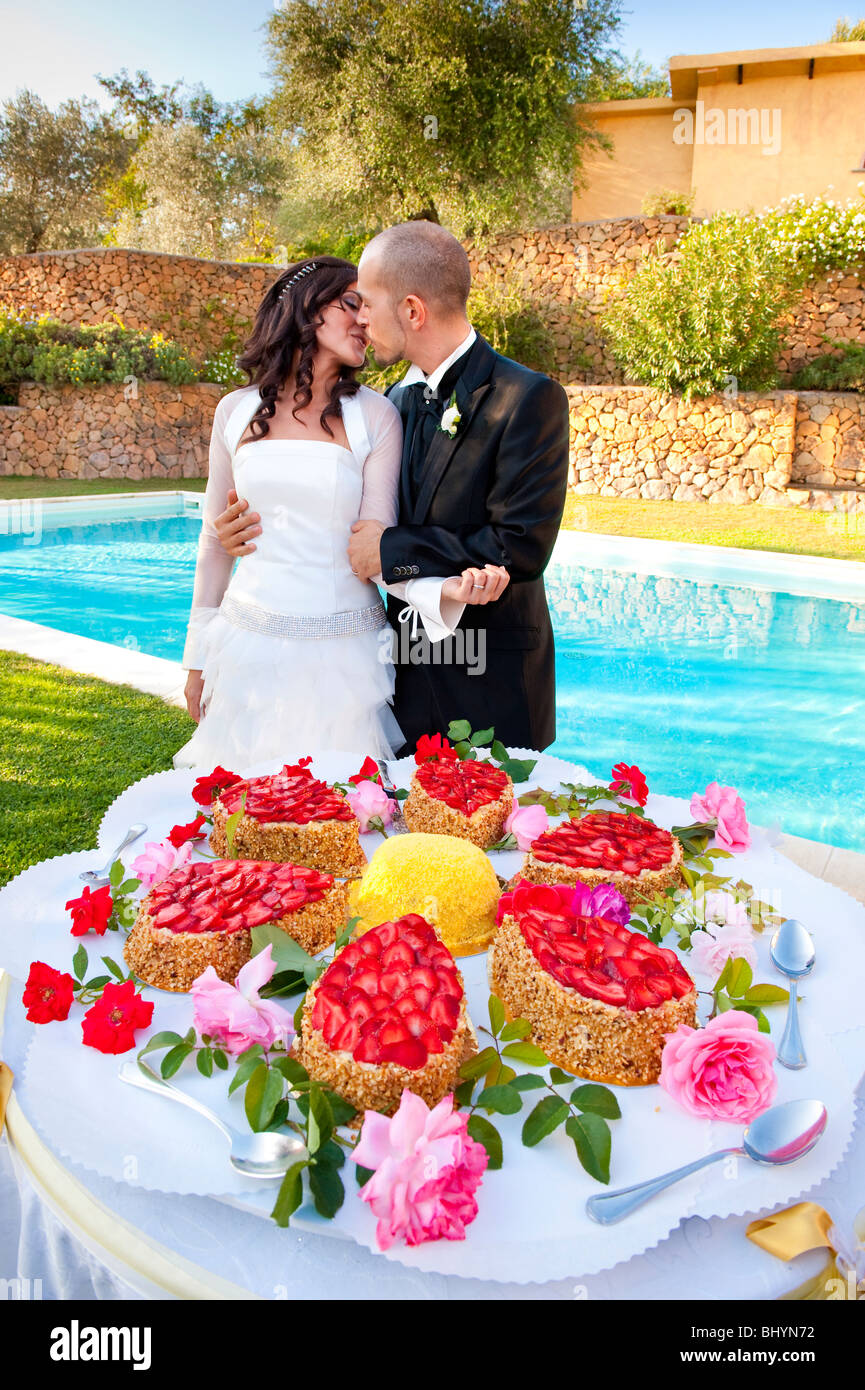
(416, 373)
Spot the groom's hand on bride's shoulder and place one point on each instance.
(477, 586)
(236, 526)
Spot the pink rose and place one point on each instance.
(724, 805)
(234, 1016)
(158, 860)
(723, 1071)
(369, 801)
(526, 823)
(427, 1170)
(712, 948)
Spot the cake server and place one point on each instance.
(398, 823)
(255, 1155)
(780, 1135)
(792, 953)
(97, 876)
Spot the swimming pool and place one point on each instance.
(694, 678)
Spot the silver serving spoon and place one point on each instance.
(792, 952)
(780, 1135)
(98, 876)
(255, 1155)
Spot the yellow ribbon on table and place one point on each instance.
(807, 1226)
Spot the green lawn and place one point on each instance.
(795, 531)
(69, 745)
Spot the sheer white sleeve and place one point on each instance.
(214, 565)
(380, 502)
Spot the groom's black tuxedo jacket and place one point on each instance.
(493, 493)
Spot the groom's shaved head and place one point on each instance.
(422, 258)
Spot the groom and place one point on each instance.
(491, 492)
(487, 491)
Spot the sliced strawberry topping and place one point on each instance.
(593, 955)
(465, 786)
(377, 992)
(610, 840)
(292, 795)
(231, 895)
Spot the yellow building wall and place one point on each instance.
(644, 160)
(821, 148)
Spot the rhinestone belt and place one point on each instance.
(311, 626)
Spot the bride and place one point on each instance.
(292, 651)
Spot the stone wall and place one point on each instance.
(108, 431)
(782, 448)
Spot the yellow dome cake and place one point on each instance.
(446, 880)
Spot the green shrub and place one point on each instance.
(667, 202)
(513, 322)
(819, 235)
(692, 318)
(841, 370)
(48, 350)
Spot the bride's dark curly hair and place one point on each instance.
(286, 322)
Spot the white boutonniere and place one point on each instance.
(451, 417)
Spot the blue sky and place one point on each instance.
(55, 47)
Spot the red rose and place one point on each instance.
(206, 788)
(430, 746)
(110, 1024)
(48, 993)
(92, 911)
(179, 834)
(630, 783)
(368, 773)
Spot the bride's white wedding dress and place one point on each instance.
(293, 647)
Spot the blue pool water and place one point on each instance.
(692, 680)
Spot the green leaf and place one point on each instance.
(98, 982)
(320, 1126)
(79, 963)
(263, 1092)
(298, 1016)
(113, 967)
(326, 1187)
(528, 1082)
(459, 729)
(497, 1014)
(346, 933)
(721, 982)
(559, 1077)
(115, 874)
(725, 1003)
(484, 1133)
(498, 751)
(204, 1061)
(220, 1059)
(504, 1100)
(463, 1092)
(245, 1067)
(331, 1152)
(479, 1065)
(482, 738)
(290, 1194)
(294, 1072)
(526, 1052)
(129, 885)
(279, 1116)
(160, 1040)
(740, 979)
(287, 954)
(519, 769)
(547, 1115)
(766, 994)
(598, 1100)
(518, 1028)
(173, 1060)
(341, 1110)
(362, 1174)
(762, 1021)
(591, 1136)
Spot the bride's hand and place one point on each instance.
(477, 586)
(192, 691)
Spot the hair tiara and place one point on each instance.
(299, 275)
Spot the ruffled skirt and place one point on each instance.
(270, 697)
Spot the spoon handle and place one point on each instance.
(607, 1207)
(791, 1052)
(132, 833)
(139, 1074)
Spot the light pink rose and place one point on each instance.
(725, 805)
(371, 800)
(526, 823)
(234, 1016)
(427, 1170)
(157, 861)
(723, 1071)
(712, 948)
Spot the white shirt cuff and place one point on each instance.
(196, 638)
(440, 616)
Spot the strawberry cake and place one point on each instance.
(290, 816)
(463, 797)
(388, 1014)
(628, 851)
(600, 998)
(203, 913)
